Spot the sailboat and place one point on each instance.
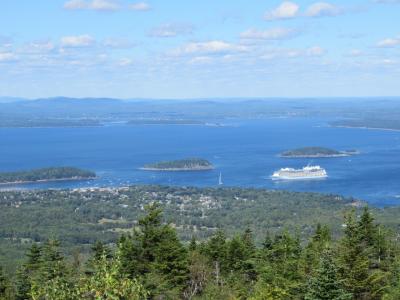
(220, 179)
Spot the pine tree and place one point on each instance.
(353, 259)
(216, 249)
(53, 264)
(99, 250)
(171, 259)
(28, 272)
(155, 252)
(151, 231)
(325, 284)
(193, 244)
(3, 283)
(319, 242)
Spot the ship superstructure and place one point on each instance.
(308, 172)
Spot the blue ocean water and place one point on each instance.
(245, 152)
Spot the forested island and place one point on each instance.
(45, 174)
(369, 123)
(189, 164)
(165, 122)
(47, 123)
(316, 152)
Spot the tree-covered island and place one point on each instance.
(316, 152)
(45, 174)
(189, 164)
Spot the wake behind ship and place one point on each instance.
(308, 172)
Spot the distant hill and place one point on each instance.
(11, 99)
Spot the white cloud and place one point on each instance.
(124, 62)
(99, 5)
(38, 47)
(210, 47)
(284, 53)
(315, 51)
(269, 34)
(7, 57)
(118, 43)
(77, 41)
(322, 9)
(388, 1)
(390, 42)
(171, 30)
(355, 53)
(140, 6)
(201, 60)
(286, 10)
(75, 4)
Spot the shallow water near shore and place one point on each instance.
(246, 152)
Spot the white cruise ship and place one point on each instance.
(309, 172)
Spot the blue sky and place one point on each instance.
(196, 49)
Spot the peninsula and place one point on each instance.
(378, 124)
(189, 164)
(316, 152)
(45, 175)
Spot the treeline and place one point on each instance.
(26, 122)
(45, 174)
(152, 263)
(187, 163)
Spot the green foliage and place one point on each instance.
(364, 258)
(183, 164)
(311, 151)
(45, 174)
(79, 218)
(4, 284)
(325, 283)
(109, 283)
(155, 252)
(152, 263)
(28, 272)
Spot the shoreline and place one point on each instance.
(177, 169)
(365, 127)
(317, 156)
(341, 154)
(47, 180)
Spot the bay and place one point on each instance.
(244, 151)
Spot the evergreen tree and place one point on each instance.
(325, 284)
(280, 267)
(193, 244)
(171, 259)
(216, 250)
(353, 259)
(319, 242)
(151, 231)
(267, 243)
(53, 264)
(100, 250)
(362, 257)
(28, 272)
(3, 284)
(155, 252)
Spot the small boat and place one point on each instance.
(220, 179)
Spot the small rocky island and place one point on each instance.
(46, 175)
(316, 152)
(189, 164)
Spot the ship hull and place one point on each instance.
(298, 178)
